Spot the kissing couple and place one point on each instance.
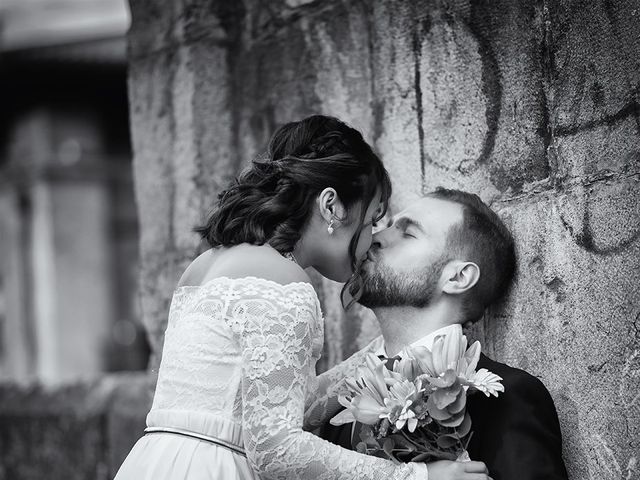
(237, 395)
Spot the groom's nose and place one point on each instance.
(379, 239)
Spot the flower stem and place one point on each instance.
(410, 440)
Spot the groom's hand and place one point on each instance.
(447, 470)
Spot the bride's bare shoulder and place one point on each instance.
(198, 268)
(245, 260)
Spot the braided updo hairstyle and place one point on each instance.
(272, 200)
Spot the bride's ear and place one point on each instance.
(461, 277)
(330, 206)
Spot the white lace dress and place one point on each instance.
(238, 366)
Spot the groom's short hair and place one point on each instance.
(481, 237)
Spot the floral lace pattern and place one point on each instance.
(322, 401)
(246, 349)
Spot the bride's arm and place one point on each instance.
(321, 403)
(276, 340)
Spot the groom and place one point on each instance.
(440, 264)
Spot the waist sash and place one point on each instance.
(197, 436)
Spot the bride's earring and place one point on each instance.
(330, 227)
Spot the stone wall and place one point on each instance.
(81, 431)
(532, 104)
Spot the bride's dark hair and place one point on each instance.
(272, 200)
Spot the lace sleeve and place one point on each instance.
(276, 338)
(322, 401)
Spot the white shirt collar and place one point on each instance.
(427, 340)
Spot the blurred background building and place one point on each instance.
(68, 226)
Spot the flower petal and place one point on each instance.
(439, 360)
(447, 379)
(424, 359)
(454, 345)
(365, 408)
(373, 361)
(487, 382)
(345, 416)
(412, 423)
(472, 355)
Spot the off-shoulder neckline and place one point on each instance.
(247, 277)
(183, 289)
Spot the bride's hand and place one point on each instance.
(447, 470)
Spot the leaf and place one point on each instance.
(465, 427)
(387, 446)
(447, 441)
(384, 427)
(453, 421)
(459, 403)
(443, 397)
(435, 412)
(366, 434)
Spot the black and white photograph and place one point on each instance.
(320, 239)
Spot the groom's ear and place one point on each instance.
(460, 277)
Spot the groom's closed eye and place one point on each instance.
(408, 226)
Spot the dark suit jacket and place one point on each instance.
(517, 435)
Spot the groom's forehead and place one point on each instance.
(429, 211)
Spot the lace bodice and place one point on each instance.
(245, 350)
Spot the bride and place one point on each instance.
(237, 390)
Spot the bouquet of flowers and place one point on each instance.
(417, 410)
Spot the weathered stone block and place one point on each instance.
(573, 318)
(593, 50)
(183, 144)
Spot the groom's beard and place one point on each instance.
(384, 287)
